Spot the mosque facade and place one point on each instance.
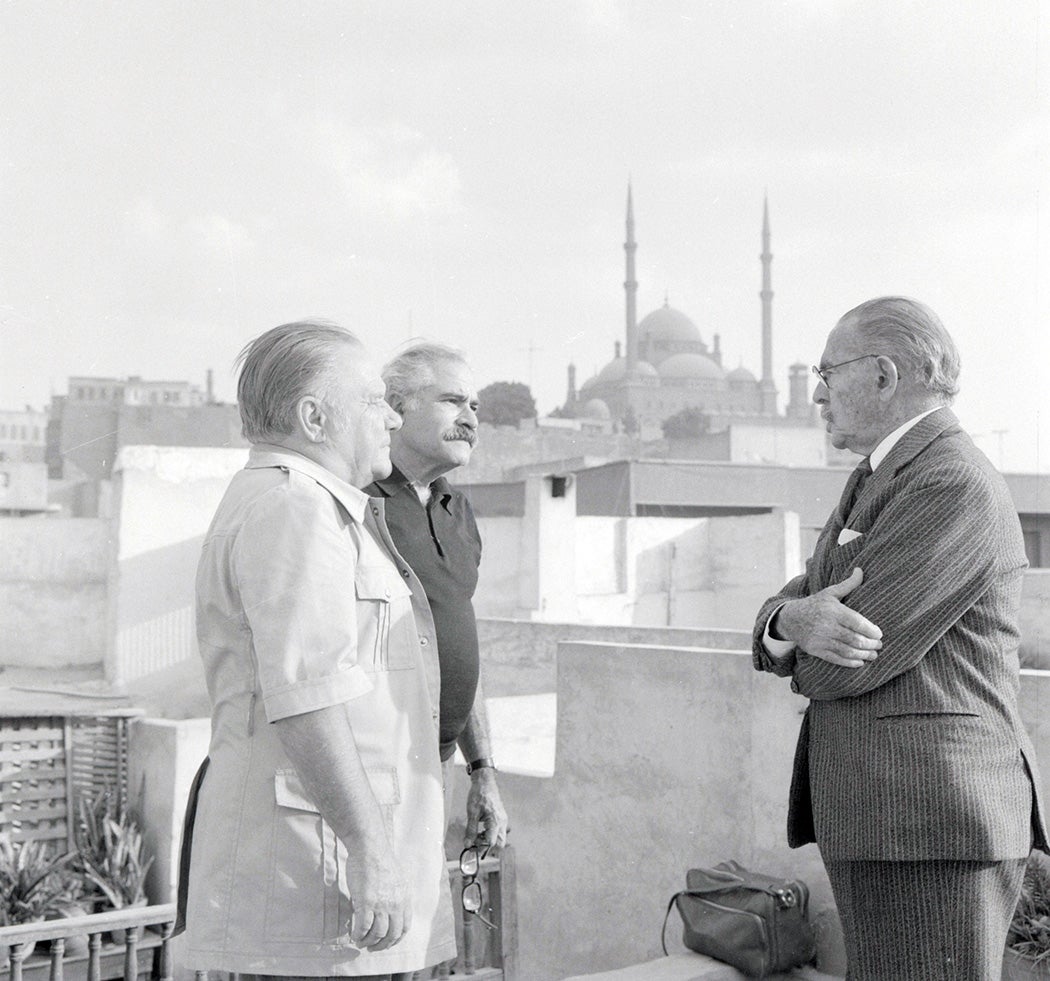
(665, 366)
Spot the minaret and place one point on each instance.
(631, 289)
(769, 392)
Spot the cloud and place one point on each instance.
(144, 220)
(220, 236)
(389, 170)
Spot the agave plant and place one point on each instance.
(1030, 928)
(112, 854)
(35, 884)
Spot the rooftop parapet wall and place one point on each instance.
(666, 758)
(53, 593)
(519, 657)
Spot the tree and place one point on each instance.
(506, 403)
(689, 423)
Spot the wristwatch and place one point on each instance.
(485, 761)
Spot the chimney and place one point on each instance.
(798, 389)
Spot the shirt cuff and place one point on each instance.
(776, 648)
(317, 693)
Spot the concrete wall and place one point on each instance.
(553, 565)
(53, 592)
(666, 758)
(1035, 619)
(163, 757)
(519, 657)
(165, 499)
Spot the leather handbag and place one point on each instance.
(755, 922)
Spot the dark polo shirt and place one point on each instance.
(442, 544)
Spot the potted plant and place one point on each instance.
(35, 884)
(1028, 942)
(112, 853)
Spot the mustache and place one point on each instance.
(461, 432)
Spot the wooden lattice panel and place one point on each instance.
(34, 801)
(48, 762)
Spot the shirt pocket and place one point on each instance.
(387, 638)
(309, 894)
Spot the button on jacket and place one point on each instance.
(304, 603)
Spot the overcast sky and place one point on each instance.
(177, 177)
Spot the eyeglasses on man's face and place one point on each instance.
(823, 371)
(469, 866)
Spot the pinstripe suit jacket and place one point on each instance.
(920, 754)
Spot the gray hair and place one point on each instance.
(913, 335)
(279, 367)
(412, 369)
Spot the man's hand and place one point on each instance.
(822, 626)
(486, 817)
(382, 910)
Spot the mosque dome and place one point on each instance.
(617, 368)
(668, 326)
(595, 409)
(690, 367)
(740, 375)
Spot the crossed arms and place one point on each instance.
(930, 555)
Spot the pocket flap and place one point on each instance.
(289, 791)
(385, 784)
(375, 582)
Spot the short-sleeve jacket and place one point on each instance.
(304, 603)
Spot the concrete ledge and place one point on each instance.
(693, 967)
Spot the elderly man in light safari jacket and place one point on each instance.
(317, 831)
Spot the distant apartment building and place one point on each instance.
(98, 416)
(23, 473)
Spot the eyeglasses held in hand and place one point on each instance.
(469, 866)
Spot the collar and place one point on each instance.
(264, 455)
(888, 442)
(440, 488)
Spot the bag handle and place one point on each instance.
(667, 916)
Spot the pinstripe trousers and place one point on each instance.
(931, 920)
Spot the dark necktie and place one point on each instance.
(854, 486)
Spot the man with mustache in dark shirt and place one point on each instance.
(433, 527)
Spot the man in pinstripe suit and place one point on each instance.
(913, 772)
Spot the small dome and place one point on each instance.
(690, 366)
(617, 368)
(668, 325)
(741, 374)
(595, 409)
